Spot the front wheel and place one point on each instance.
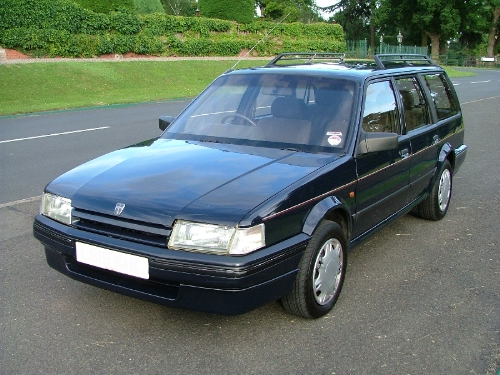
(321, 273)
(435, 206)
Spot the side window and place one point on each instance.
(441, 93)
(415, 108)
(380, 113)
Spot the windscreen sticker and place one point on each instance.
(334, 138)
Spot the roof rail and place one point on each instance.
(309, 57)
(407, 59)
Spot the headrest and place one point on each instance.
(289, 108)
(329, 96)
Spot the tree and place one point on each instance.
(494, 7)
(355, 16)
(148, 6)
(241, 11)
(179, 7)
(354, 28)
(439, 20)
(289, 10)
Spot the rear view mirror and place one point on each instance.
(377, 141)
(165, 121)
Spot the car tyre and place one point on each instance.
(435, 206)
(321, 273)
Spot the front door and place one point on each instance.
(383, 176)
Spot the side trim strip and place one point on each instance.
(319, 197)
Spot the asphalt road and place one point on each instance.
(419, 298)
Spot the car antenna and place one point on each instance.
(260, 40)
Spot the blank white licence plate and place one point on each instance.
(127, 264)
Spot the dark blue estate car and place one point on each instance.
(256, 191)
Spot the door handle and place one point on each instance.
(404, 153)
(436, 139)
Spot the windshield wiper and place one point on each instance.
(211, 141)
(296, 150)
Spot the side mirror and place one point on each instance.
(165, 121)
(377, 141)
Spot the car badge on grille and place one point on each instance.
(119, 208)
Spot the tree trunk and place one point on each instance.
(492, 33)
(424, 39)
(434, 45)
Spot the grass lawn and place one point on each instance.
(453, 73)
(34, 87)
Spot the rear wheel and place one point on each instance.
(435, 206)
(321, 273)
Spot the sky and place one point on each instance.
(325, 3)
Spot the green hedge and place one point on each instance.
(241, 11)
(106, 6)
(63, 28)
(148, 6)
(65, 15)
(160, 24)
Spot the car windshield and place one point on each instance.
(306, 113)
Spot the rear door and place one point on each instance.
(431, 114)
(422, 133)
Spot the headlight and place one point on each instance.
(56, 207)
(216, 238)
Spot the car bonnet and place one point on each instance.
(172, 179)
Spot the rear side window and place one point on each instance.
(442, 95)
(414, 105)
(380, 113)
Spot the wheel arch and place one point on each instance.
(447, 153)
(331, 209)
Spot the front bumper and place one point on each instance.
(226, 285)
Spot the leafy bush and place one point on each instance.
(159, 24)
(105, 6)
(63, 28)
(148, 6)
(179, 7)
(241, 11)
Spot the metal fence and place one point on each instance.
(387, 48)
(471, 61)
(359, 49)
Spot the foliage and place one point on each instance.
(148, 6)
(420, 21)
(158, 24)
(65, 15)
(179, 7)
(241, 11)
(105, 6)
(62, 28)
(289, 10)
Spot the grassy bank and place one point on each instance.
(34, 87)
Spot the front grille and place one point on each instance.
(124, 229)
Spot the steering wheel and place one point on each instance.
(238, 115)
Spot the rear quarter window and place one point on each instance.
(442, 95)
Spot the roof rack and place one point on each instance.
(406, 59)
(309, 57)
